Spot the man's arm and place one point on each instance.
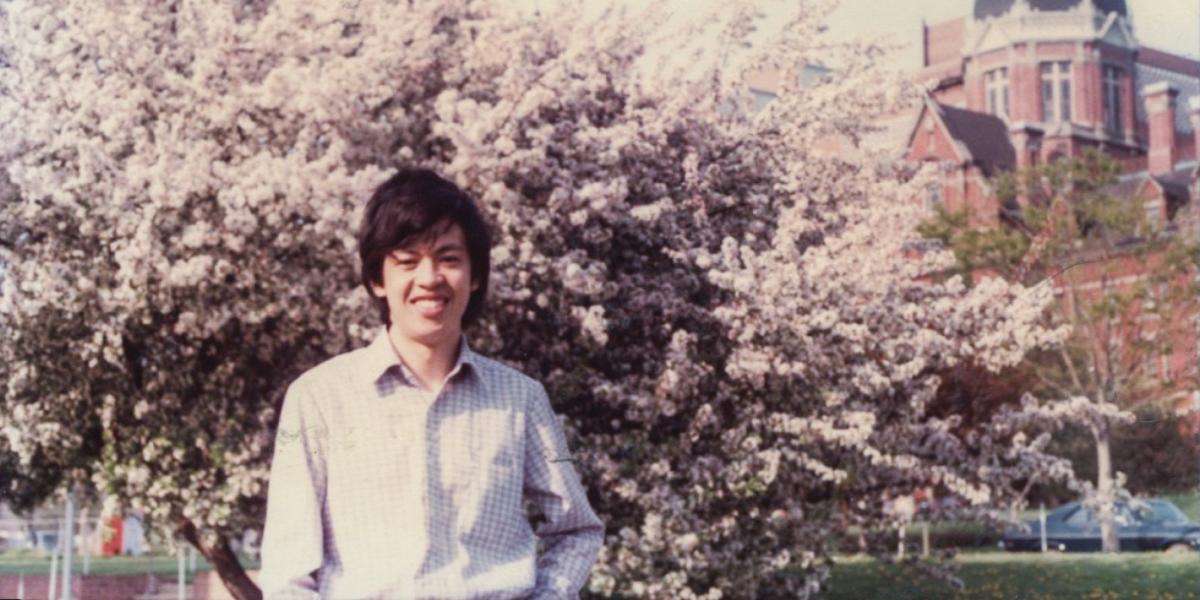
(293, 538)
(572, 534)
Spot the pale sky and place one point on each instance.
(1171, 25)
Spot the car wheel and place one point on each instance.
(1178, 548)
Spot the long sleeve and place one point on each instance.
(293, 537)
(572, 534)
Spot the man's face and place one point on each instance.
(427, 284)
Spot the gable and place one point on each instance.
(1116, 33)
(930, 140)
(991, 37)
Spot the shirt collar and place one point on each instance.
(381, 358)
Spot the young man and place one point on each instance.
(401, 469)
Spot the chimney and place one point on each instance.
(1027, 141)
(1194, 112)
(1160, 111)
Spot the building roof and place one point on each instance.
(1168, 61)
(1128, 187)
(996, 8)
(1175, 185)
(985, 137)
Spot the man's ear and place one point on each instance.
(378, 290)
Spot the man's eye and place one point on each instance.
(451, 259)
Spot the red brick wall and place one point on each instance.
(1025, 83)
(944, 41)
(1160, 111)
(930, 141)
(1177, 366)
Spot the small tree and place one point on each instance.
(1125, 288)
(1156, 452)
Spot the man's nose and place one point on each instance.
(428, 273)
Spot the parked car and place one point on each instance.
(1144, 525)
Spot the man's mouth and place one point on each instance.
(430, 306)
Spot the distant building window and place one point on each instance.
(1153, 215)
(814, 75)
(996, 84)
(1112, 98)
(1056, 91)
(933, 196)
(761, 99)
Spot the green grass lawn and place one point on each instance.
(992, 575)
(12, 563)
(1025, 576)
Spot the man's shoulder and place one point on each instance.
(335, 371)
(507, 377)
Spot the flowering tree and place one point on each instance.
(1127, 295)
(733, 324)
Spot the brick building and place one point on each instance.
(1021, 82)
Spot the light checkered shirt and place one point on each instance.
(381, 489)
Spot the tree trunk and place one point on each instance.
(223, 559)
(1104, 488)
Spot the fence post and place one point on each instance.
(179, 551)
(69, 547)
(85, 533)
(925, 539)
(1042, 523)
(53, 595)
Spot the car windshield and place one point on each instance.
(1085, 517)
(1080, 517)
(1161, 511)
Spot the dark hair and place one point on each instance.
(407, 207)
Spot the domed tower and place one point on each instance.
(1061, 71)
(999, 8)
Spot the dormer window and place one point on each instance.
(995, 83)
(1056, 91)
(1112, 98)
